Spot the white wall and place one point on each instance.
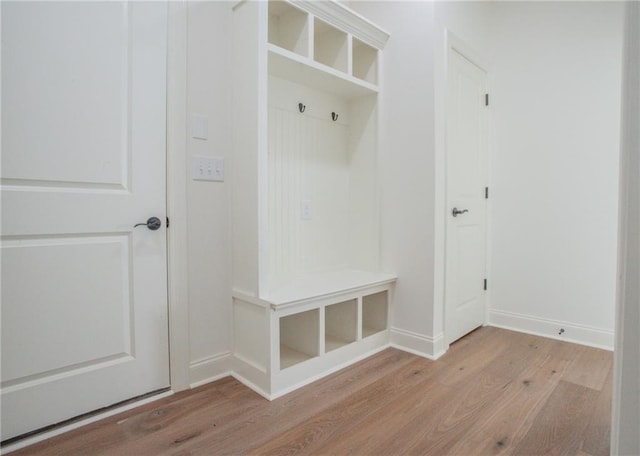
(555, 72)
(406, 164)
(209, 268)
(412, 155)
(554, 69)
(411, 164)
(625, 432)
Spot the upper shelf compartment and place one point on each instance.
(290, 66)
(330, 46)
(365, 62)
(325, 45)
(288, 27)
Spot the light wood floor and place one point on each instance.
(494, 392)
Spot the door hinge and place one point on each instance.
(167, 222)
(486, 193)
(486, 99)
(485, 284)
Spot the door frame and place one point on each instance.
(177, 260)
(453, 43)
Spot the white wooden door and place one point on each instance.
(466, 180)
(84, 300)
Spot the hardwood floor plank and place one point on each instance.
(590, 368)
(233, 403)
(515, 411)
(455, 367)
(598, 433)
(560, 425)
(427, 402)
(494, 392)
(240, 428)
(474, 403)
(310, 436)
(113, 433)
(370, 436)
(465, 360)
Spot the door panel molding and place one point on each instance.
(84, 296)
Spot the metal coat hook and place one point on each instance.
(301, 107)
(334, 116)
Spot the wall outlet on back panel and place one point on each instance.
(305, 210)
(208, 168)
(199, 126)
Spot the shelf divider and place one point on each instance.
(302, 70)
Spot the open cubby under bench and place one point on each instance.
(311, 328)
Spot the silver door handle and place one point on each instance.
(153, 223)
(455, 212)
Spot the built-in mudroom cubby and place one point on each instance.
(309, 296)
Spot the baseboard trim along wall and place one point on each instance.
(209, 369)
(579, 334)
(418, 344)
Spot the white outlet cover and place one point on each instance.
(199, 126)
(305, 210)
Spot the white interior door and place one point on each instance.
(84, 303)
(466, 180)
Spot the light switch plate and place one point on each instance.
(208, 168)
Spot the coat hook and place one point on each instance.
(301, 107)
(334, 116)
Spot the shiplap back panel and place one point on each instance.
(308, 161)
(332, 165)
(363, 194)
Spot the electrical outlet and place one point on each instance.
(208, 168)
(199, 126)
(305, 210)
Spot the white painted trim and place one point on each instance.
(178, 293)
(418, 344)
(210, 369)
(248, 298)
(250, 363)
(576, 333)
(70, 427)
(625, 419)
(466, 50)
(252, 386)
(344, 18)
(323, 374)
(440, 195)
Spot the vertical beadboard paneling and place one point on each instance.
(363, 195)
(308, 160)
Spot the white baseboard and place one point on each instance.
(327, 372)
(418, 344)
(209, 369)
(251, 385)
(576, 333)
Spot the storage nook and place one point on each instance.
(308, 293)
